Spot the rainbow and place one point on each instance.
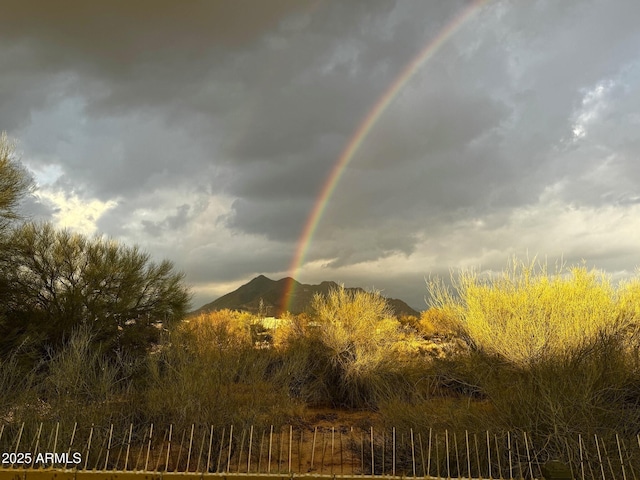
(359, 136)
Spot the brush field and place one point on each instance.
(554, 354)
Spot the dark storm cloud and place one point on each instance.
(125, 52)
(224, 265)
(175, 222)
(207, 68)
(313, 110)
(272, 219)
(113, 38)
(35, 210)
(501, 137)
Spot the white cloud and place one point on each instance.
(594, 102)
(46, 175)
(73, 212)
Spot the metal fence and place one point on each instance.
(289, 451)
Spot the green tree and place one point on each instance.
(56, 281)
(15, 182)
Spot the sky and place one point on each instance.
(206, 133)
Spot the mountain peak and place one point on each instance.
(264, 296)
(261, 279)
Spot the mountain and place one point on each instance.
(271, 292)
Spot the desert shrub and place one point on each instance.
(17, 386)
(554, 354)
(240, 327)
(409, 323)
(357, 331)
(81, 373)
(591, 389)
(526, 313)
(628, 310)
(355, 328)
(76, 383)
(292, 328)
(437, 320)
(220, 329)
(301, 366)
(350, 353)
(210, 372)
(54, 281)
(300, 363)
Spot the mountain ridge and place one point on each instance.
(262, 295)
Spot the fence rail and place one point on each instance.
(29, 451)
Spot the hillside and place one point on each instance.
(271, 292)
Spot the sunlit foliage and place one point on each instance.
(526, 313)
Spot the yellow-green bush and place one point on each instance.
(220, 329)
(290, 329)
(357, 333)
(340, 355)
(526, 313)
(437, 321)
(555, 354)
(357, 328)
